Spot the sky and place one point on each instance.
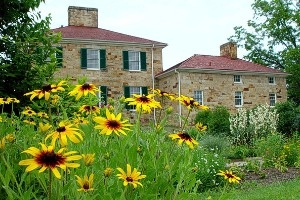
(188, 26)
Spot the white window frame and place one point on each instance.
(271, 80)
(93, 59)
(134, 60)
(238, 99)
(272, 99)
(198, 96)
(237, 78)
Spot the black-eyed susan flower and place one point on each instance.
(190, 103)
(80, 120)
(44, 127)
(111, 124)
(160, 93)
(63, 132)
(200, 127)
(143, 103)
(45, 91)
(4, 100)
(107, 172)
(12, 100)
(85, 183)
(84, 89)
(42, 115)
(47, 158)
(28, 112)
(228, 175)
(58, 87)
(88, 159)
(130, 177)
(184, 137)
(29, 121)
(89, 109)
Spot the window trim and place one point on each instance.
(241, 98)
(196, 99)
(234, 78)
(275, 98)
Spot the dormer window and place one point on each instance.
(237, 79)
(271, 79)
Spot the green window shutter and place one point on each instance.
(143, 61)
(83, 54)
(127, 95)
(102, 59)
(59, 56)
(125, 60)
(145, 91)
(103, 90)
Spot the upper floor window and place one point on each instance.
(134, 61)
(271, 80)
(272, 97)
(198, 96)
(93, 59)
(237, 78)
(238, 99)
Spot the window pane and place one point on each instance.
(271, 80)
(238, 98)
(134, 60)
(272, 97)
(237, 78)
(93, 59)
(198, 96)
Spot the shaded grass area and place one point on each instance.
(251, 191)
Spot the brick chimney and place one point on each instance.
(229, 50)
(82, 16)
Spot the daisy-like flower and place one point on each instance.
(63, 132)
(4, 100)
(200, 127)
(88, 158)
(85, 183)
(44, 127)
(42, 115)
(80, 120)
(45, 91)
(84, 89)
(89, 109)
(13, 100)
(228, 175)
(131, 177)
(190, 103)
(28, 112)
(184, 137)
(47, 158)
(143, 103)
(29, 121)
(164, 94)
(108, 171)
(58, 87)
(111, 124)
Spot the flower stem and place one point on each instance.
(185, 121)
(50, 185)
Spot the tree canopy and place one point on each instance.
(27, 48)
(272, 38)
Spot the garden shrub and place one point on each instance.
(214, 143)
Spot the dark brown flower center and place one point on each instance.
(29, 112)
(86, 186)
(61, 129)
(46, 88)
(229, 175)
(86, 86)
(50, 159)
(113, 124)
(144, 99)
(129, 179)
(185, 136)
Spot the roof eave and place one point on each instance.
(111, 42)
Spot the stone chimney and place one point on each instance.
(82, 16)
(229, 50)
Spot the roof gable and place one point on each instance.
(93, 33)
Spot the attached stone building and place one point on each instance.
(119, 64)
(224, 80)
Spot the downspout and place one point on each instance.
(153, 84)
(179, 94)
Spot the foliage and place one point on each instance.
(214, 143)
(26, 44)
(288, 117)
(248, 125)
(216, 119)
(271, 39)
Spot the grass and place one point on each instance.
(277, 191)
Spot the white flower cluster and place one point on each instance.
(246, 126)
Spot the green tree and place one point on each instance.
(272, 39)
(27, 48)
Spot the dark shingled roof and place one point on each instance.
(93, 33)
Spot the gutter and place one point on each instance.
(153, 77)
(179, 94)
